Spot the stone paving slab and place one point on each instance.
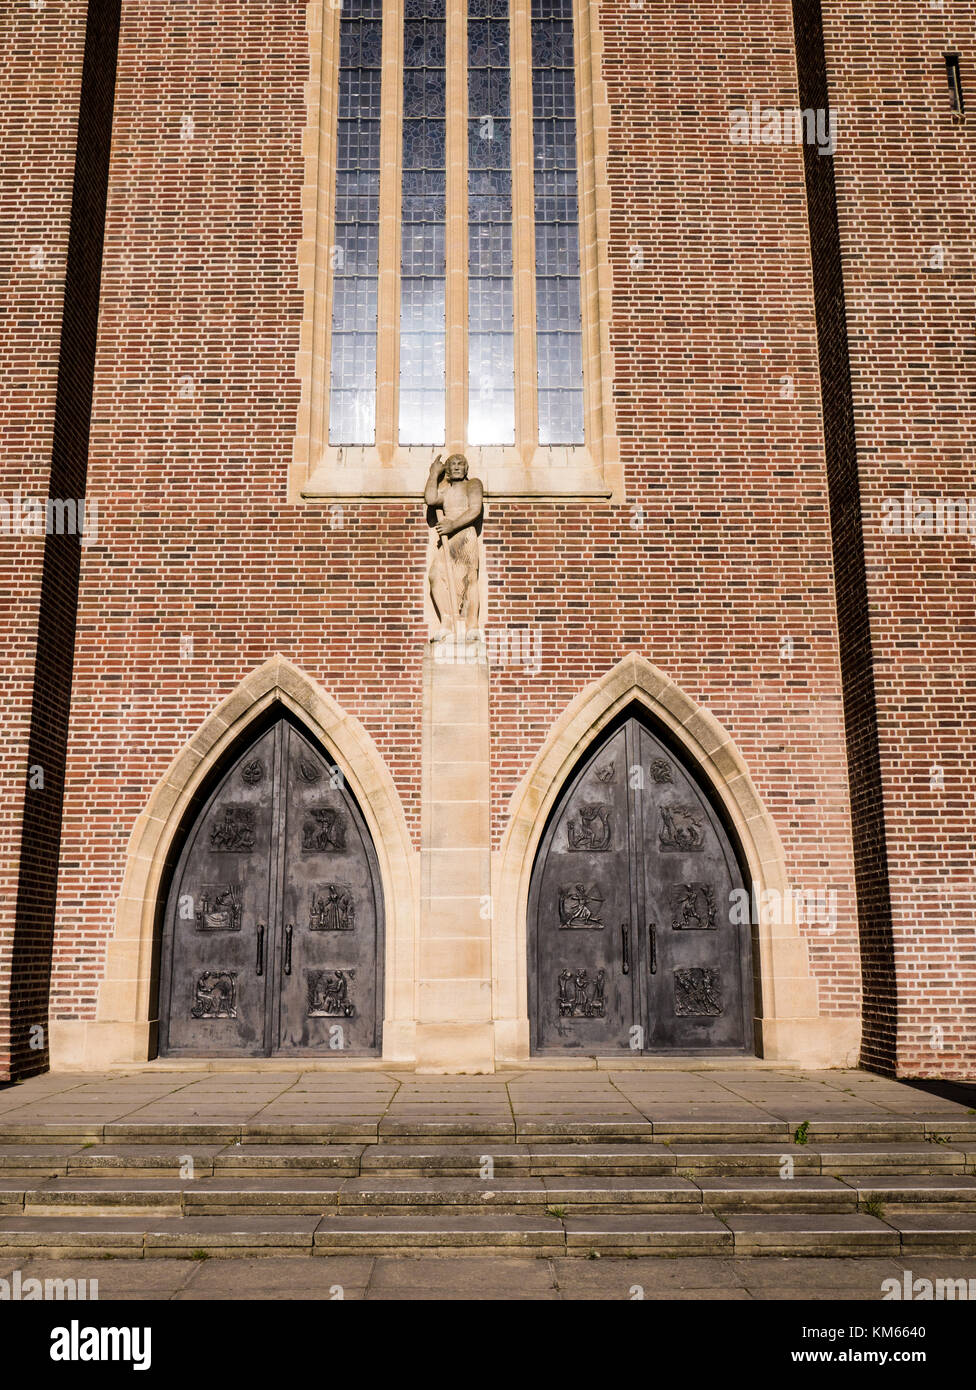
(758, 1159)
(370, 1192)
(618, 1279)
(716, 1129)
(504, 1276)
(485, 1231)
(12, 1196)
(340, 1132)
(798, 1194)
(603, 1192)
(664, 1235)
(445, 1160)
(812, 1234)
(796, 1274)
(957, 1189)
(63, 1237)
(284, 1190)
(951, 1130)
(142, 1160)
(202, 1131)
(843, 1159)
(41, 1131)
(434, 1128)
(933, 1230)
(830, 1101)
(262, 1235)
(645, 1160)
(147, 1195)
(36, 1160)
(536, 1129)
(330, 1277)
(342, 1159)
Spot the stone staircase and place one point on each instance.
(896, 1187)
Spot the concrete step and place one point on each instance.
(826, 1159)
(283, 1194)
(534, 1129)
(834, 1234)
(674, 1159)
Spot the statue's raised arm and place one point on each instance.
(437, 470)
(455, 505)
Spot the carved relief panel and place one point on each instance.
(332, 907)
(328, 993)
(219, 907)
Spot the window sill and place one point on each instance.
(550, 474)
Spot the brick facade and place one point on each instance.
(719, 565)
(56, 66)
(906, 176)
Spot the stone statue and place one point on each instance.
(455, 508)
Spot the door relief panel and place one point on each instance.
(272, 939)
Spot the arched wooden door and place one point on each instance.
(637, 941)
(273, 927)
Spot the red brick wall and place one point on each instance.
(41, 55)
(906, 183)
(734, 551)
(197, 546)
(196, 540)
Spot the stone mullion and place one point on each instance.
(523, 233)
(388, 290)
(456, 231)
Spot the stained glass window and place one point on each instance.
(355, 251)
(559, 333)
(491, 324)
(493, 134)
(423, 266)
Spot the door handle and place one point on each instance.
(625, 931)
(652, 933)
(259, 965)
(288, 931)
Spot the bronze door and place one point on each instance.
(330, 910)
(637, 938)
(273, 930)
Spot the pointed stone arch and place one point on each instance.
(788, 1025)
(124, 1029)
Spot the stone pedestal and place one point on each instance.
(454, 1012)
